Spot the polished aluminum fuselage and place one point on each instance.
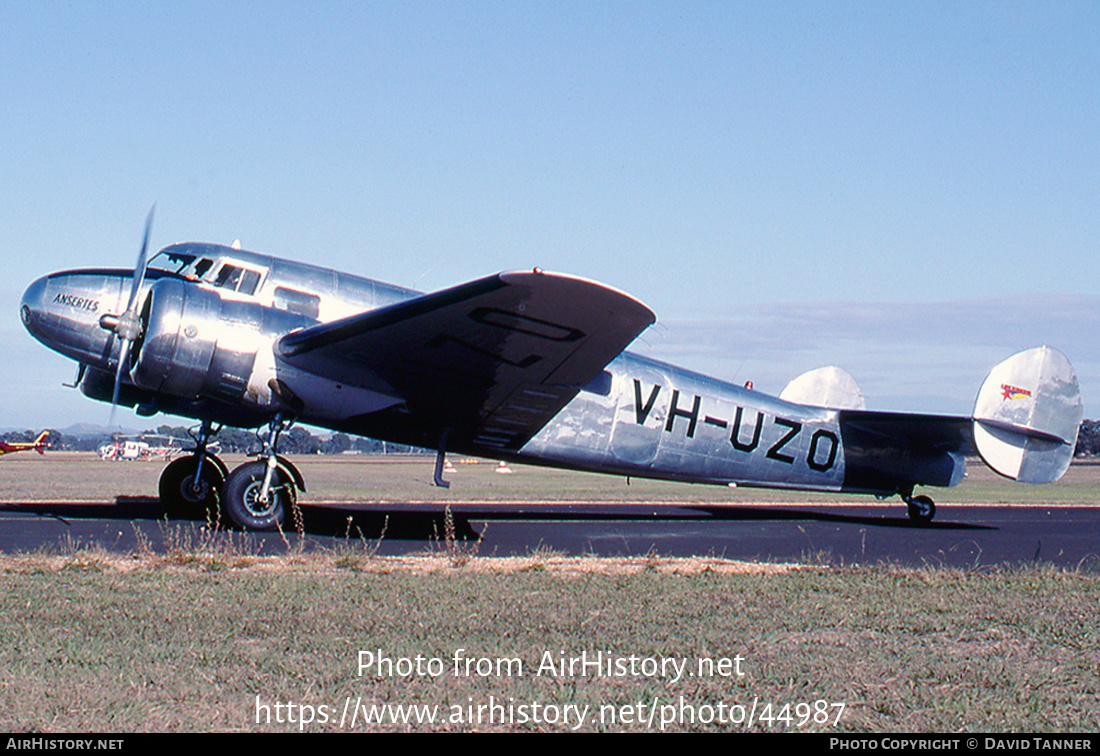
(659, 420)
(208, 353)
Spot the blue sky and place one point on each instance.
(909, 190)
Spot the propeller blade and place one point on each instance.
(123, 357)
(128, 326)
(139, 269)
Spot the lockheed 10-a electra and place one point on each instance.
(521, 366)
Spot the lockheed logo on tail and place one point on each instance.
(1013, 392)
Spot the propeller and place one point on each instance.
(128, 325)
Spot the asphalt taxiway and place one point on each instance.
(961, 536)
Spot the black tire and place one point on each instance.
(183, 499)
(921, 509)
(242, 503)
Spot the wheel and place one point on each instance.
(242, 497)
(186, 498)
(921, 509)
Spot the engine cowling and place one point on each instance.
(194, 343)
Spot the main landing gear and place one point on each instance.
(191, 487)
(256, 495)
(259, 494)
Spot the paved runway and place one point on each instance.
(961, 536)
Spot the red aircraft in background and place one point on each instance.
(39, 445)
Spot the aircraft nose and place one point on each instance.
(63, 311)
(32, 305)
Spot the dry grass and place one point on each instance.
(191, 641)
(321, 563)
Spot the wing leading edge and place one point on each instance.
(488, 362)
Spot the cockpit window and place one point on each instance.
(249, 281)
(241, 280)
(202, 266)
(228, 275)
(190, 266)
(171, 261)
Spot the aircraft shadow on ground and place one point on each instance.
(431, 523)
(891, 521)
(318, 521)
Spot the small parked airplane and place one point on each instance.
(39, 445)
(123, 449)
(519, 366)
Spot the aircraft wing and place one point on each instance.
(488, 362)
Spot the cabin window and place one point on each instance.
(298, 302)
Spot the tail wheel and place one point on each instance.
(244, 503)
(187, 497)
(921, 509)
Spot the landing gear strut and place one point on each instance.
(259, 494)
(191, 487)
(921, 508)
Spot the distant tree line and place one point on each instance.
(297, 440)
(1088, 440)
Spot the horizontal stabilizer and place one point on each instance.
(1027, 415)
(830, 387)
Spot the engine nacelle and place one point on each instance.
(194, 343)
